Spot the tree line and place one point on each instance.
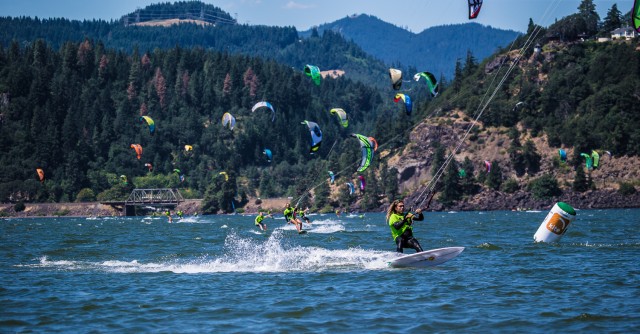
(76, 111)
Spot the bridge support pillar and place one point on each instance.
(129, 210)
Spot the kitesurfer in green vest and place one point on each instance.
(290, 217)
(303, 215)
(401, 225)
(259, 220)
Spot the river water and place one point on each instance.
(219, 274)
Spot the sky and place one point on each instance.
(413, 15)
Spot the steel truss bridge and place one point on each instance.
(164, 198)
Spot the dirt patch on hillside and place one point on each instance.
(269, 204)
(92, 209)
(170, 22)
(334, 74)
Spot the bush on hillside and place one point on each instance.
(510, 186)
(626, 189)
(545, 187)
(86, 195)
(19, 207)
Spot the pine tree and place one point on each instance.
(515, 154)
(161, 86)
(590, 16)
(467, 182)
(250, 82)
(458, 76)
(389, 178)
(226, 88)
(530, 27)
(322, 193)
(612, 21)
(451, 189)
(226, 201)
(438, 159)
(211, 200)
(531, 157)
(470, 64)
(580, 182)
(370, 198)
(494, 177)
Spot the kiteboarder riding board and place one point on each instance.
(428, 258)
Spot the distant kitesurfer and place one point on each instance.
(303, 215)
(290, 217)
(259, 220)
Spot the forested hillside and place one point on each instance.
(76, 112)
(551, 92)
(75, 106)
(216, 31)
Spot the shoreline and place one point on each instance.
(485, 201)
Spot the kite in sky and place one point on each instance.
(316, 136)
(314, 73)
(396, 78)
(342, 116)
(474, 8)
(367, 148)
(408, 105)
(150, 123)
(228, 120)
(266, 105)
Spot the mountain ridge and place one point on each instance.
(396, 45)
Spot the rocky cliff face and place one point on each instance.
(414, 166)
(490, 200)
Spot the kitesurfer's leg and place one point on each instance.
(413, 243)
(399, 244)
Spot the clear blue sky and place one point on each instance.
(415, 15)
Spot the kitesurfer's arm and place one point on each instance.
(397, 225)
(417, 216)
(405, 220)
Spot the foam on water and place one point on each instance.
(245, 255)
(190, 219)
(325, 226)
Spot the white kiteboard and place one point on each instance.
(428, 258)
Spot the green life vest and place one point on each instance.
(288, 214)
(394, 218)
(259, 219)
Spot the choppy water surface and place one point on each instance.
(220, 274)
